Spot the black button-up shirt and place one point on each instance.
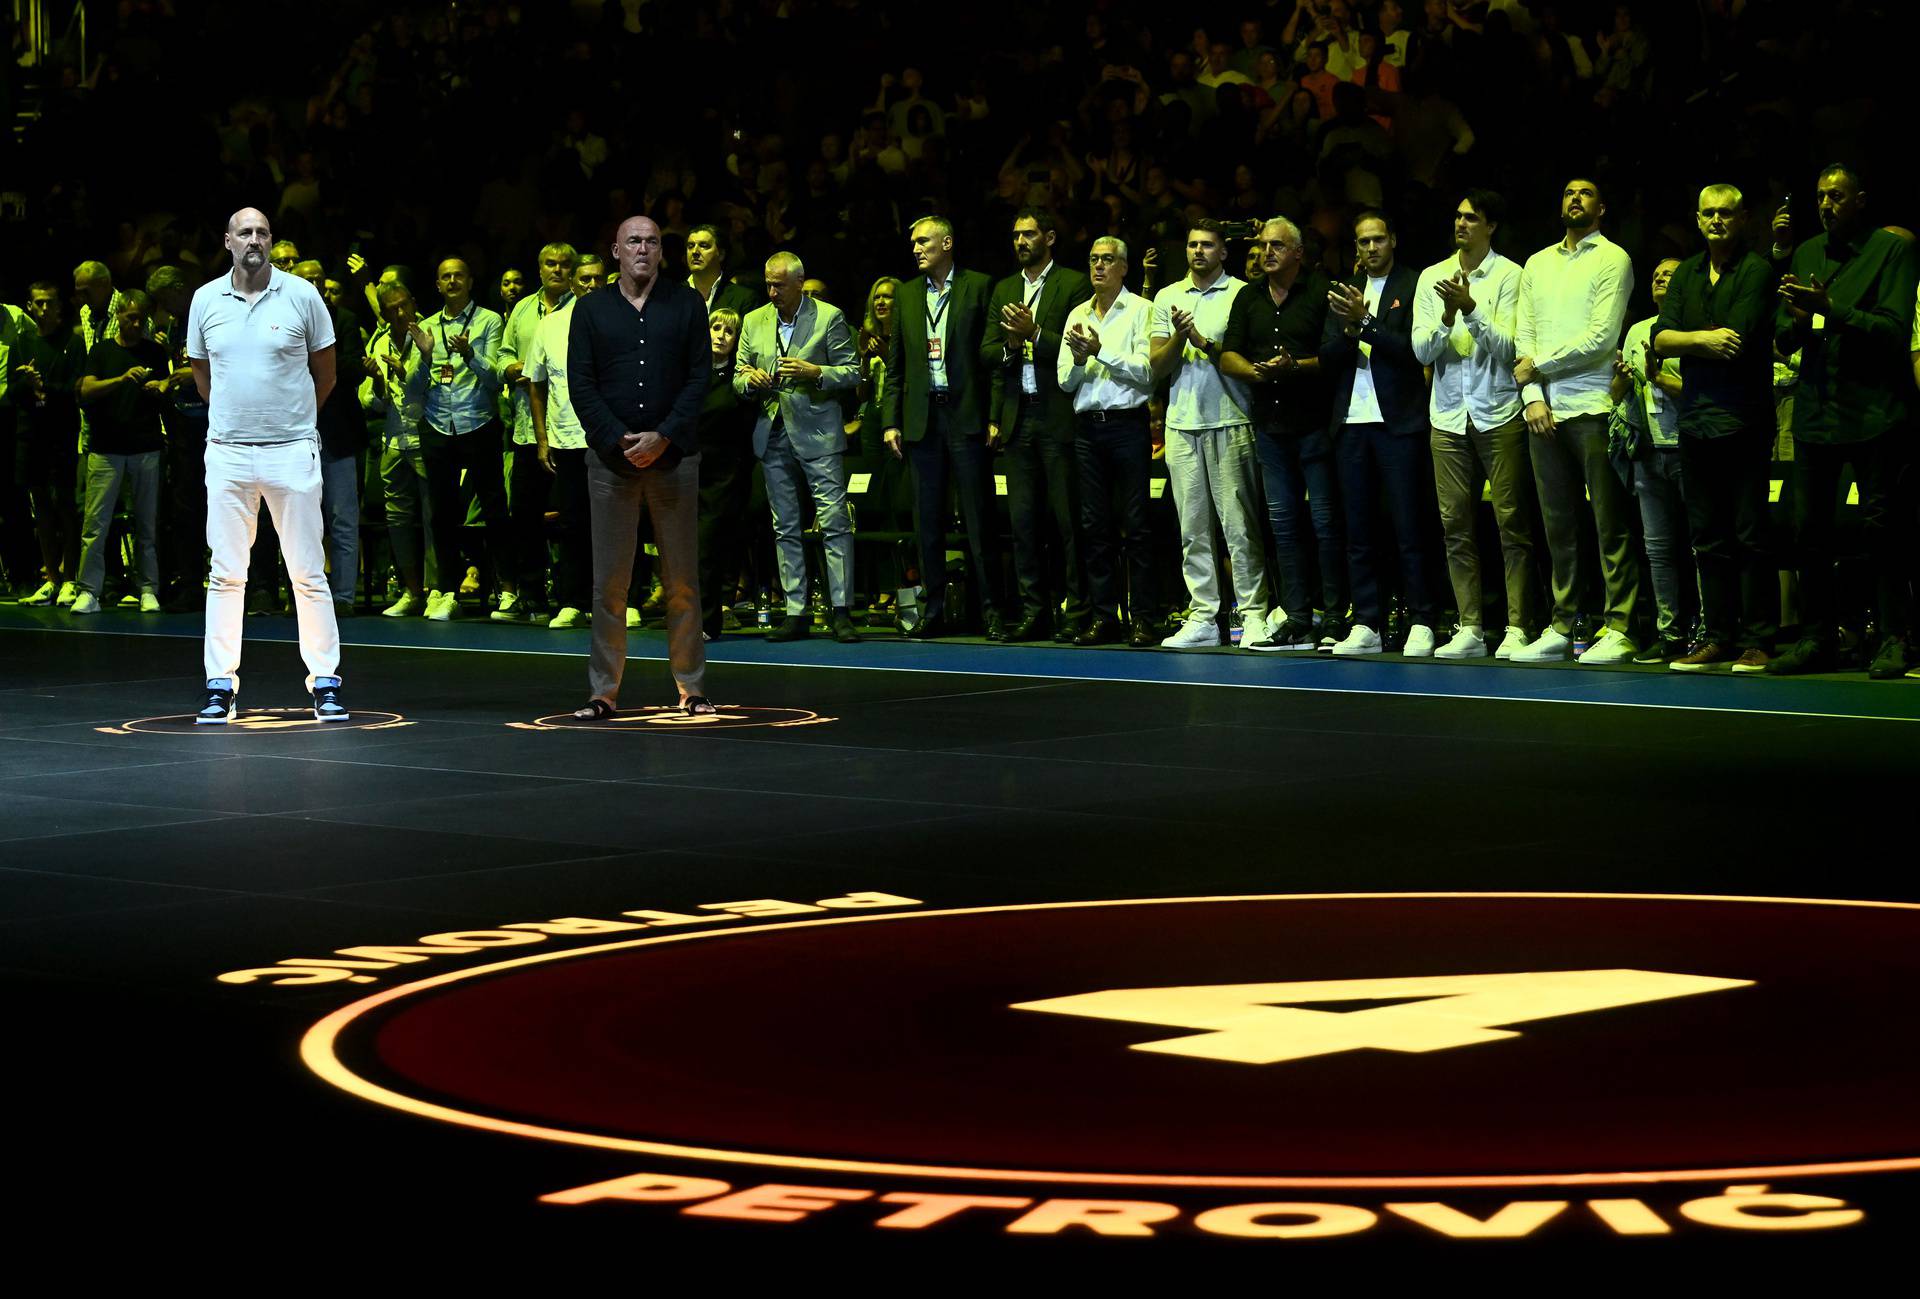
(634, 371)
(1854, 378)
(1296, 403)
(1720, 397)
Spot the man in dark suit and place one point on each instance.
(1025, 318)
(934, 412)
(1379, 422)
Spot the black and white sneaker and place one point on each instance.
(327, 706)
(220, 706)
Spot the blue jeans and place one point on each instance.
(1296, 471)
(340, 507)
(1658, 483)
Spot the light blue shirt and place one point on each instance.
(937, 327)
(461, 393)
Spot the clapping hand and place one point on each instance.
(458, 344)
(1454, 293)
(1017, 323)
(1805, 300)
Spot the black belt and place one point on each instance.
(1033, 398)
(941, 396)
(1113, 416)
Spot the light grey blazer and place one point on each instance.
(810, 413)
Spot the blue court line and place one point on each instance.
(1852, 697)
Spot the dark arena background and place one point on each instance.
(1106, 852)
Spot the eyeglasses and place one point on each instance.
(1103, 259)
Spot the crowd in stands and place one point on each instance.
(1612, 303)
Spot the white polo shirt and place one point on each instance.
(546, 363)
(260, 389)
(1200, 397)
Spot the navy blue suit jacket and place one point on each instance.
(1399, 380)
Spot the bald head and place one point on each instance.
(248, 238)
(636, 249)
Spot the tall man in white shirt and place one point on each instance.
(261, 346)
(1463, 317)
(1573, 303)
(1210, 451)
(561, 445)
(462, 432)
(1106, 366)
(529, 483)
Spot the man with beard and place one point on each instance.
(1379, 409)
(639, 355)
(261, 347)
(1463, 314)
(1847, 307)
(1573, 303)
(1717, 317)
(1026, 316)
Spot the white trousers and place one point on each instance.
(1212, 473)
(287, 478)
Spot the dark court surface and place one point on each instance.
(141, 859)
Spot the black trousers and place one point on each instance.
(1113, 451)
(1043, 490)
(573, 577)
(532, 491)
(1724, 482)
(950, 456)
(726, 501)
(183, 514)
(478, 453)
(1884, 468)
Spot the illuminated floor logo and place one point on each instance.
(256, 721)
(1360, 1040)
(730, 717)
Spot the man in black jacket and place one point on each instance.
(935, 412)
(640, 354)
(1379, 422)
(1035, 418)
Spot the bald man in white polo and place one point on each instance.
(261, 345)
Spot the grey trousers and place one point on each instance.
(1460, 462)
(671, 497)
(105, 473)
(403, 475)
(1569, 467)
(826, 478)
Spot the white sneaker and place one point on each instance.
(408, 605)
(1467, 643)
(1419, 643)
(84, 603)
(1194, 633)
(1548, 647)
(513, 608)
(1363, 639)
(1613, 647)
(1512, 643)
(1253, 630)
(567, 617)
(68, 593)
(149, 602)
(43, 596)
(633, 618)
(440, 605)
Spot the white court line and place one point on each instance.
(1138, 681)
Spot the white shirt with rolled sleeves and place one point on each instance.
(547, 363)
(1199, 396)
(516, 343)
(1573, 303)
(1473, 361)
(260, 386)
(1120, 375)
(1661, 415)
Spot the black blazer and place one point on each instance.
(1063, 291)
(903, 403)
(1399, 380)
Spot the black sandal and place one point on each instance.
(595, 710)
(698, 706)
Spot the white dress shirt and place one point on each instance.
(1199, 396)
(1662, 417)
(1120, 375)
(547, 363)
(1363, 402)
(1030, 291)
(1572, 305)
(1473, 361)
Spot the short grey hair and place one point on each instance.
(90, 271)
(940, 223)
(788, 262)
(1292, 230)
(1739, 199)
(1117, 244)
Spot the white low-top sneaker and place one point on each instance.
(1613, 647)
(85, 602)
(149, 602)
(567, 617)
(1253, 630)
(1548, 647)
(1419, 642)
(1512, 643)
(1467, 643)
(408, 605)
(440, 606)
(44, 595)
(1194, 633)
(1362, 639)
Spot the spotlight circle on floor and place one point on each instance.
(1360, 1040)
(672, 718)
(258, 721)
